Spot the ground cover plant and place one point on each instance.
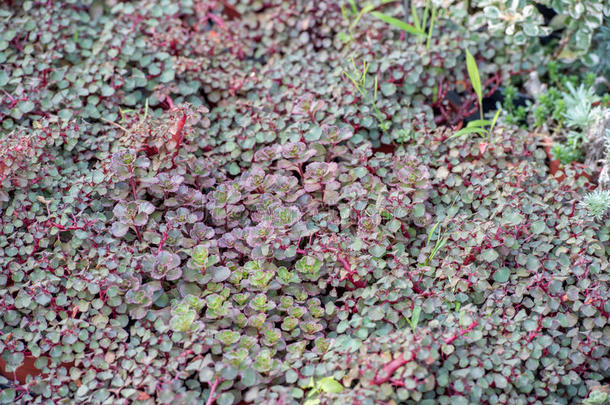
(296, 202)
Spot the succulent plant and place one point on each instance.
(597, 203)
(198, 207)
(576, 22)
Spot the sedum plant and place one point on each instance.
(520, 22)
(244, 237)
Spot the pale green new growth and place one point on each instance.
(597, 203)
(358, 79)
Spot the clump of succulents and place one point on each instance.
(574, 22)
(597, 203)
(569, 109)
(196, 207)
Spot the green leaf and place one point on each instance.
(356, 244)
(375, 314)
(512, 218)
(501, 275)
(26, 106)
(500, 381)
(478, 123)
(439, 245)
(310, 384)
(432, 232)
(65, 114)
(220, 274)
(473, 73)
(397, 23)
(249, 377)
(388, 89)
(313, 134)
(4, 77)
(415, 317)
(419, 210)
(82, 390)
(493, 121)
(538, 227)
(377, 250)
(466, 131)
(107, 91)
(415, 16)
(492, 12)
(167, 76)
(98, 176)
(329, 384)
(394, 225)
(7, 396)
(489, 255)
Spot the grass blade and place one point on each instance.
(432, 232)
(343, 12)
(478, 123)
(415, 16)
(466, 131)
(473, 73)
(397, 23)
(353, 4)
(351, 78)
(364, 10)
(375, 90)
(439, 245)
(425, 17)
(365, 70)
(493, 121)
(145, 109)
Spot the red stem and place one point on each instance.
(170, 102)
(212, 398)
(70, 228)
(132, 182)
(178, 136)
(346, 266)
(165, 236)
(389, 369)
(461, 332)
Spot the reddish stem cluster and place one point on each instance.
(389, 369)
(462, 332)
